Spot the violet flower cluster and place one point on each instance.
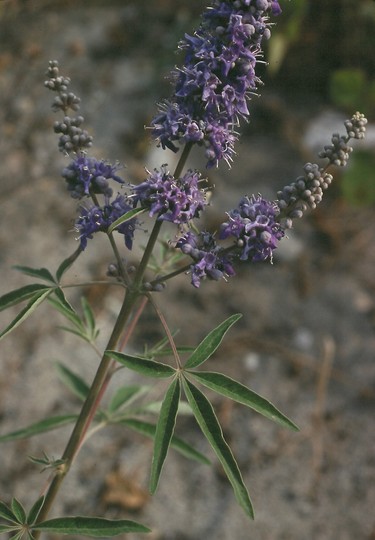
(93, 219)
(86, 176)
(217, 78)
(176, 200)
(255, 230)
(210, 97)
(254, 227)
(210, 260)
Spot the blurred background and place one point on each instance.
(306, 340)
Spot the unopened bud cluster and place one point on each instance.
(307, 190)
(338, 152)
(72, 137)
(356, 126)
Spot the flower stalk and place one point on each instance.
(102, 377)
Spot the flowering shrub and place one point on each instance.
(210, 97)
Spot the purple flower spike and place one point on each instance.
(85, 174)
(253, 224)
(175, 200)
(209, 260)
(98, 218)
(217, 79)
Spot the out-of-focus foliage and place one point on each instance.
(315, 38)
(358, 182)
(351, 89)
(286, 32)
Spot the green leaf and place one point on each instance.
(154, 408)
(125, 395)
(89, 316)
(147, 367)
(126, 217)
(238, 392)
(147, 429)
(164, 431)
(32, 516)
(18, 510)
(84, 329)
(80, 333)
(90, 526)
(209, 424)
(20, 295)
(18, 535)
(47, 462)
(48, 424)
(6, 513)
(347, 88)
(35, 301)
(72, 381)
(67, 263)
(41, 273)
(9, 528)
(210, 343)
(358, 181)
(63, 306)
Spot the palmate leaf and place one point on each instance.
(9, 528)
(72, 381)
(41, 273)
(85, 329)
(125, 395)
(90, 526)
(154, 407)
(48, 424)
(164, 431)
(18, 510)
(20, 295)
(147, 429)
(46, 462)
(63, 306)
(19, 536)
(6, 513)
(147, 367)
(35, 301)
(209, 424)
(32, 516)
(238, 392)
(210, 343)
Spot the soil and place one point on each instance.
(306, 339)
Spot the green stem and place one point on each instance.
(88, 409)
(122, 270)
(157, 226)
(171, 275)
(101, 378)
(182, 160)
